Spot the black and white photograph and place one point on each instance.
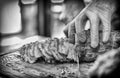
(59, 38)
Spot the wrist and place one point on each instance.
(105, 5)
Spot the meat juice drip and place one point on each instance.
(78, 63)
(77, 60)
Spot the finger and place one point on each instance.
(94, 32)
(71, 33)
(80, 23)
(94, 29)
(106, 22)
(79, 26)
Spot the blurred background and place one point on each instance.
(24, 21)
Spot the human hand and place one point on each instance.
(99, 13)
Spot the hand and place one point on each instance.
(99, 13)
